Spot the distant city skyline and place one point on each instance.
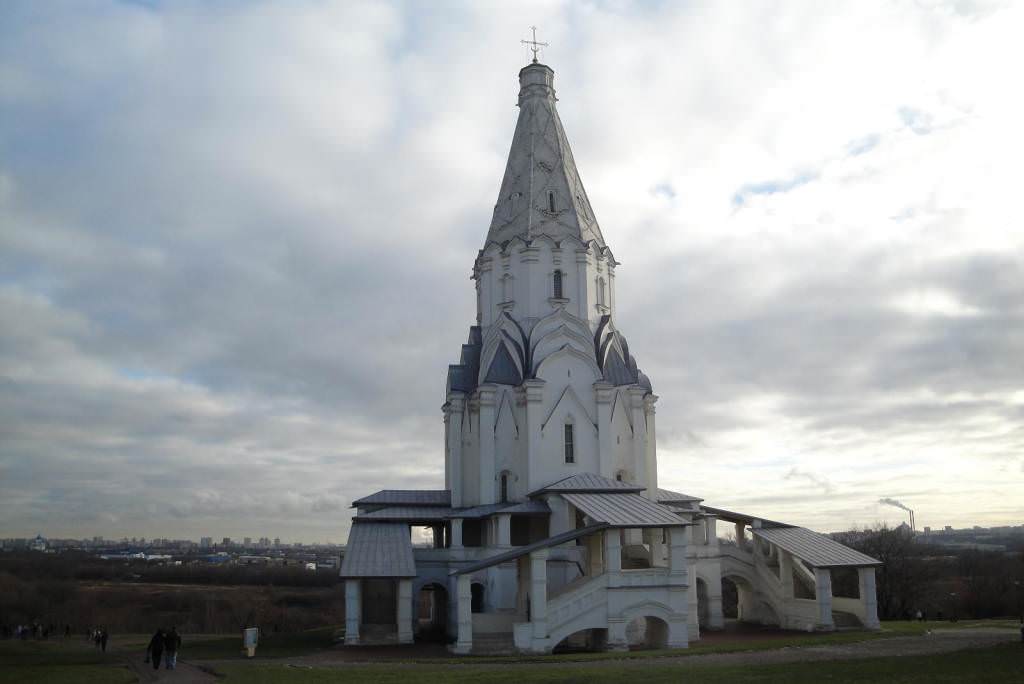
(229, 297)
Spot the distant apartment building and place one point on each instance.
(205, 542)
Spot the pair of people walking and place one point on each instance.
(165, 644)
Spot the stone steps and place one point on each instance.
(493, 644)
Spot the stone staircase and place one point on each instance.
(846, 621)
(493, 643)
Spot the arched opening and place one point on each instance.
(647, 632)
(503, 488)
(557, 284)
(703, 604)
(582, 641)
(476, 593)
(432, 612)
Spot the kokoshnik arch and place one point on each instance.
(551, 528)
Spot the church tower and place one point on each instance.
(546, 387)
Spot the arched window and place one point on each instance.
(570, 456)
(558, 284)
(504, 488)
(551, 202)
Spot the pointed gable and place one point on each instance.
(541, 191)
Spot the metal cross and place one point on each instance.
(535, 46)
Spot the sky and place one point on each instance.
(236, 241)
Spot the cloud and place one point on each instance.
(236, 241)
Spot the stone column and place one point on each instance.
(605, 445)
(456, 538)
(504, 530)
(486, 436)
(740, 542)
(464, 611)
(612, 552)
(617, 635)
(786, 574)
(693, 609)
(868, 597)
(823, 592)
(677, 555)
(453, 466)
(539, 599)
(404, 611)
(712, 526)
(595, 559)
(716, 617)
(353, 611)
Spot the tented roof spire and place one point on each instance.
(541, 193)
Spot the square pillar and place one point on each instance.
(456, 534)
(677, 537)
(740, 541)
(617, 635)
(505, 530)
(539, 599)
(464, 612)
(868, 597)
(453, 442)
(712, 526)
(612, 551)
(353, 611)
(404, 611)
(823, 592)
(786, 574)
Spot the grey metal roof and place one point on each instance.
(668, 496)
(378, 549)
(589, 482)
(521, 508)
(816, 549)
(624, 510)
(529, 548)
(408, 513)
(733, 516)
(407, 497)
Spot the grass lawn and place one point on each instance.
(66, 674)
(997, 664)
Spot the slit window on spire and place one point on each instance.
(557, 282)
(551, 202)
(570, 457)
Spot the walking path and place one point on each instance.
(940, 641)
(183, 673)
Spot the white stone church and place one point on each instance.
(551, 531)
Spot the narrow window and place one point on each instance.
(504, 487)
(558, 284)
(569, 456)
(551, 202)
(600, 291)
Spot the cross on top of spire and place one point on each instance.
(534, 45)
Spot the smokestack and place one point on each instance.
(893, 502)
(913, 526)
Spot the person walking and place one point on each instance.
(171, 643)
(155, 649)
(104, 635)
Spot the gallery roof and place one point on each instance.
(378, 549)
(588, 482)
(407, 497)
(626, 509)
(815, 549)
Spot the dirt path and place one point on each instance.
(183, 673)
(940, 641)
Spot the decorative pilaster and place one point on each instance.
(453, 429)
(486, 397)
(636, 405)
(604, 392)
(650, 445)
(532, 394)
